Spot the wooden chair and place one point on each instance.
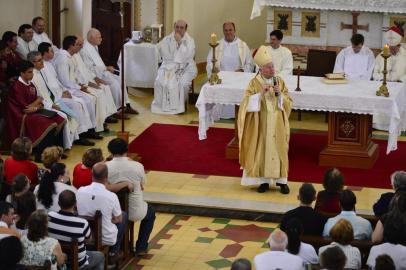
(71, 249)
(95, 223)
(47, 266)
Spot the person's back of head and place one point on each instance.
(333, 258)
(278, 240)
(51, 155)
(342, 232)
(241, 264)
(100, 173)
(384, 262)
(348, 200)
(394, 231)
(25, 206)
(307, 194)
(21, 148)
(67, 200)
(398, 180)
(46, 187)
(294, 230)
(11, 252)
(37, 226)
(91, 157)
(333, 180)
(20, 184)
(118, 146)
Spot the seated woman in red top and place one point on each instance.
(21, 149)
(24, 117)
(82, 173)
(327, 200)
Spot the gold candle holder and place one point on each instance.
(383, 89)
(214, 77)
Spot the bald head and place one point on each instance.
(94, 37)
(278, 240)
(180, 27)
(100, 173)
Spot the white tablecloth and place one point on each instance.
(359, 97)
(141, 64)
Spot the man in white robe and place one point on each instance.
(25, 42)
(356, 61)
(282, 56)
(66, 71)
(94, 62)
(176, 73)
(70, 128)
(396, 64)
(232, 54)
(62, 96)
(38, 25)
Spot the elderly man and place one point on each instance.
(282, 56)
(25, 42)
(277, 257)
(63, 97)
(94, 62)
(176, 73)
(233, 54)
(398, 181)
(356, 61)
(263, 127)
(48, 99)
(396, 64)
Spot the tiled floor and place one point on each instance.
(189, 242)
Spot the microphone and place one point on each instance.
(275, 83)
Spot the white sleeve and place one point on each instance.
(185, 52)
(254, 103)
(339, 65)
(116, 206)
(371, 63)
(62, 70)
(287, 64)
(209, 65)
(377, 76)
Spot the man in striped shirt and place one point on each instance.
(65, 225)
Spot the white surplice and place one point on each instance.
(355, 65)
(69, 131)
(43, 37)
(396, 67)
(105, 106)
(282, 60)
(91, 57)
(65, 69)
(76, 104)
(175, 75)
(230, 56)
(24, 47)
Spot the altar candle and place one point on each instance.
(386, 50)
(213, 39)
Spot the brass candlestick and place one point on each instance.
(298, 80)
(214, 78)
(383, 90)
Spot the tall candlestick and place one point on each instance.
(213, 39)
(298, 79)
(386, 50)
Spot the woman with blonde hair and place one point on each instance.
(342, 235)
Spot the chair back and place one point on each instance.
(47, 266)
(320, 62)
(95, 224)
(71, 249)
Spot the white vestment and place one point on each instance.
(230, 56)
(76, 104)
(70, 132)
(396, 67)
(91, 57)
(355, 65)
(105, 103)
(282, 60)
(24, 47)
(65, 69)
(39, 38)
(175, 75)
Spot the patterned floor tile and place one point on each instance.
(221, 263)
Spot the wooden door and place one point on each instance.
(106, 18)
(56, 22)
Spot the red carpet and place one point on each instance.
(176, 148)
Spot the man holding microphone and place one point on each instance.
(263, 127)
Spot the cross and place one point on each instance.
(354, 26)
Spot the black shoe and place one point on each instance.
(64, 156)
(141, 253)
(284, 188)
(83, 141)
(105, 128)
(111, 120)
(92, 135)
(262, 188)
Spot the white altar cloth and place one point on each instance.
(357, 96)
(141, 64)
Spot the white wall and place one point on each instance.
(14, 13)
(78, 17)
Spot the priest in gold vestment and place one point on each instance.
(263, 127)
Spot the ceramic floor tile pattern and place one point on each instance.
(190, 242)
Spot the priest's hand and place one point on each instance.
(83, 88)
(56, 107)
(66, 94)
(30, 109)
(277, 90)
(100, 81)
(265, 89)
(93, 85)
(110, 69)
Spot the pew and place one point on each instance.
(47, 266)
(72, 251)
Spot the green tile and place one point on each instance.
(221, 220)
(206, 240)
(265, 245)
(221, 263)
(220, 236)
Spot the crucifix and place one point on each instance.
(355, 26)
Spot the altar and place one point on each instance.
(343, 101)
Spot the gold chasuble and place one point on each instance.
(264, 135)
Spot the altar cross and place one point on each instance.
(355, 26)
